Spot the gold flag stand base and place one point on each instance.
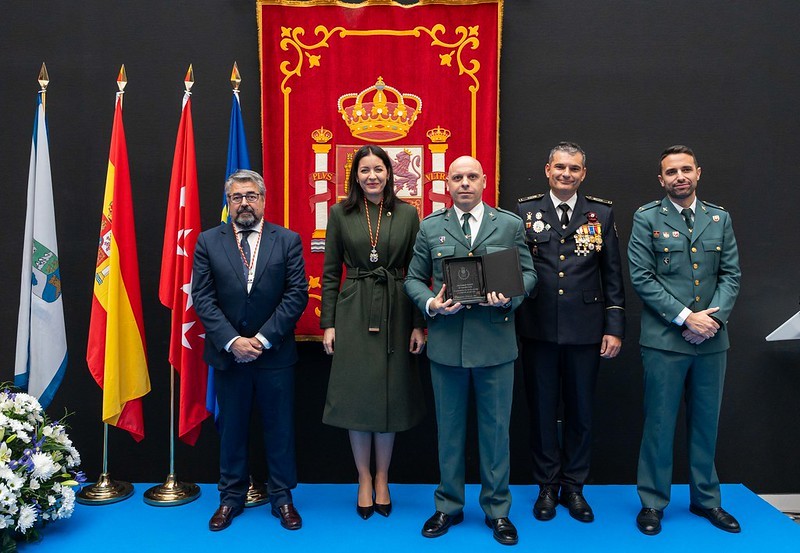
(256, 494)
(171, 492)
(105, 490)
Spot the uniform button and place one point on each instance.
(666, 249)
(561, 257)
(562, 240)
(695, 266)
(470, 254)
(439, 254)
(697, 298)
(697, 283)
(561, 292)
(506, 319)
(244, 323)
(469, 307)
(718, 248)
(561, 275)
(664, 315)
(694, 250)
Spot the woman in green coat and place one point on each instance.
(374, 388)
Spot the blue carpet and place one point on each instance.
(330, 525)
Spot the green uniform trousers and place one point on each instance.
(493, 394)
(667, 377)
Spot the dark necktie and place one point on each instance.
(245, 245)
(688, 216)
(564, 218)
(465, 227)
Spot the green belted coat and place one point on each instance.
(374, 384)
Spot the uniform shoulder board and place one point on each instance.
(709, 204)
(507, 212)
(436, 213)
(651, 205)
(529, 198)
(601, 200)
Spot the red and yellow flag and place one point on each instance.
(187, 336)
(116, 352)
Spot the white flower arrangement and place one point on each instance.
(38, 469)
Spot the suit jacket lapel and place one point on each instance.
(578, 216)
(231, 248)
(551, 215)
(674, 219)
(265, 248)
(701, 217)
(453, 227)
(488, 226)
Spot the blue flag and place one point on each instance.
(238, 158)
(41, 355)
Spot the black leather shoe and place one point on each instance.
(440, 523)
(223, 517)
(545, 506)
(383, 510)
(578, 507)
(290, 518)
(365, 512)
(648, 521)
(503, 530)
(719, 517)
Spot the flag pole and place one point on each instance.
(173, 492)
(106, 490)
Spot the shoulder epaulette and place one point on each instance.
(709, 204)
(651, 205)
(601, 200)
(436, 213)
(529, 198)
(507, 212)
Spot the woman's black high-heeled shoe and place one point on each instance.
(384, 510)
(366, 512)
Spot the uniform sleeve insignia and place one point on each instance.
(529, 198)
(601, 200)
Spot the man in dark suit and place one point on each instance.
(684, 265)
(469, 342)
(249, 289)
(575, 316)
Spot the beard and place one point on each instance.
(245, 218)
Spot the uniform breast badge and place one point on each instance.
(538, 226)
(589, 237)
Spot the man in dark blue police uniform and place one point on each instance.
(575, 316)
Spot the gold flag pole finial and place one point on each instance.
(188, 81)
(236, 78)
(122, 78)
(44, 78)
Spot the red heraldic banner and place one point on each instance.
(116, 352)
(421, 81)
(187, 335)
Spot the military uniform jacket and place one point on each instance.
(672, 268)
(476, 336)
(579, 296)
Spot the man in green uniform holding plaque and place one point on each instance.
(685, 266)
(469, 342)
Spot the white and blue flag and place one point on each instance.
(41, 357)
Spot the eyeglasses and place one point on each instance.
(251, 197)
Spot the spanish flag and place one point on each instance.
(116, 353)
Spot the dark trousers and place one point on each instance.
(668, 377)
(493, 394)
(555, 373)
(272, 391)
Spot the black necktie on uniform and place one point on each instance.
(688, 216)
(564, 207)
(245, 245)
(465, 227)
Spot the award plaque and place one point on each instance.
(464, 279)
(469, 278)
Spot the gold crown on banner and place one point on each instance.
(379, 119)
(438, 135)
(322, 135)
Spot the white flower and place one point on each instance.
(6, 497)
(34, 484)
(5, 453)
(44, 467)
(67, 503)
(27, 516)
(51, 500)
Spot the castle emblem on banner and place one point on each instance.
(378, 114)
